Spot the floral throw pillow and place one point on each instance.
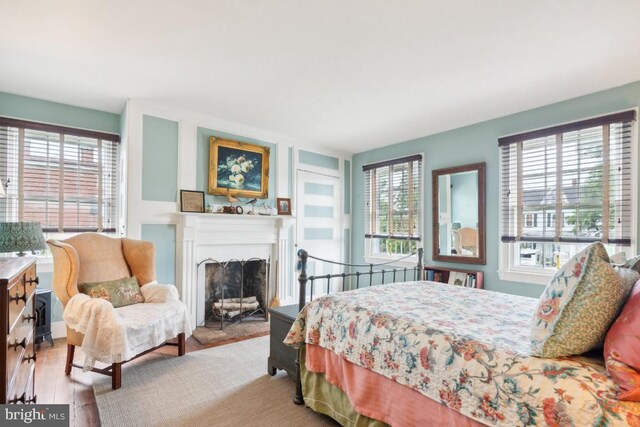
(578, 305)
(119, 293)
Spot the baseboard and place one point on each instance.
(59, 329)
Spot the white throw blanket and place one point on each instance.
(113, 335)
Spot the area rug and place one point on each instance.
(222, 386)
(212, 334)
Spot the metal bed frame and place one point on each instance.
(370, 270)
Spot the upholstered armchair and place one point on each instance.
(465, 238)
(90, 258)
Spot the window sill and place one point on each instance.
(380, 259)
(525, 277)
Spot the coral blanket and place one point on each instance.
(380, 398)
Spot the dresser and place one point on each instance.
(18, 282)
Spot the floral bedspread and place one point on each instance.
(466, 348)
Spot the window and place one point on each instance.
(63, 178)
(578, 177)
(393, 200)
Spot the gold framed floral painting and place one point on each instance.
(238, 168)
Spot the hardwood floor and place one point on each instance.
(75, 389)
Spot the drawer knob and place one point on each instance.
(17, 344)
(34, 399)
(36, 280)
(17, 399)
(17, 298)
(30, 358)
(29, 318)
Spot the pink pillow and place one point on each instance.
(622, 348)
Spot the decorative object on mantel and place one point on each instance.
(230, 198)
(284, 206)
(238, 168)
(266, 209)
(252, 202)
(232, 209)
(20, 237)
(237, 210)
(191, 201)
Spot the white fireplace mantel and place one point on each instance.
(223, 237)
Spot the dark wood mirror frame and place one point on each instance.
(481, 258)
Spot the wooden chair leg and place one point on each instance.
(70, 352)
(181, 344)
(116, 378)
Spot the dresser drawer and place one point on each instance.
(20, 379)
(16, 353)
(22, 390)
(19, 293)
(16, 302)
(30, 281)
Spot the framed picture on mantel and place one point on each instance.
(284, 206)
(191, 201)
(238, 169)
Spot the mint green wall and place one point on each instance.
(202, 166)
(22, 107)
(315, 159)
(479, 143)
(164, 238)
(159, 159)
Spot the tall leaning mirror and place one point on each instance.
(459, 214)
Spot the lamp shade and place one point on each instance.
(20, 237)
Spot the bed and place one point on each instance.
(426, 353)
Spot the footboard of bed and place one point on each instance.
(360, 274)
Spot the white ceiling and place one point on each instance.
(348, 74)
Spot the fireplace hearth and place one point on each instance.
(236, 291)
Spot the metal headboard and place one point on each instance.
(371, 270)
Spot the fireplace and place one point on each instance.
(205, 237)
(236, 291)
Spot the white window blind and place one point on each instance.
(576, 176)
(63, 178)
(393, 203)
